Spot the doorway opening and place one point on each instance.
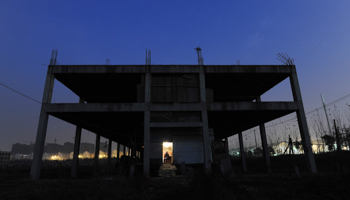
(167, 148)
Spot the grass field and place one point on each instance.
(328, 183)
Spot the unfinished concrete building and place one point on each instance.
(187, 106)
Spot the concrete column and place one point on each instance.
(97, 152)
(226, 148)
(109, 161)
(203, 99)
(265, 148)
(304, 131)
(147, 128)
(124, 150)
(133, 154)
(264, 144)
(77, 140)
(241, 152)
(118, 149)
(147, 144)
(42, 126)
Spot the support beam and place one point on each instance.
(141, 107)
(109, 161)
(241, 153)
(304, 131)
(97, 152)
(77, 140)
(265, 148)
(226, 148)
(124, 150)
(118, 149)
(264, 144)
(89, 69)
(42, 126)
(147, 128)
(205, 128)
(176, 124)
(76, 151)
(147, 145)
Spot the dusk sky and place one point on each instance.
(314, 33)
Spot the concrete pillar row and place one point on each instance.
(241, 152)
(304, 131)
(42, 126)
(205, 128)
(77, 141)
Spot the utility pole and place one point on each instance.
(325, 110)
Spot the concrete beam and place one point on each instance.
(71, 69)
(177, 107)
(253, 106)
(98, 69)
(284, 69)
(174, 69)
(140, 107)
(176, 124)
(95, 107)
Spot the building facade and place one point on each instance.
(4, 157)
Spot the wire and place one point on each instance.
(335, 101)
(20, 93)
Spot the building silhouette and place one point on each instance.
(189, 106)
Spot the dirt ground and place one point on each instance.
(331, 182)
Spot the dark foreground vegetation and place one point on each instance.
(332, 182)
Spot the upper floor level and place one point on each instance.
(170, 83)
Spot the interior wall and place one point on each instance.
(188, 148)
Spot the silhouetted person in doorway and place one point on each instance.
(166, 156)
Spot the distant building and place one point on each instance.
(90, 148)
(52, 151)
(4, 157)
(22, 149)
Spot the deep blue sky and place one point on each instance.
(314, 33)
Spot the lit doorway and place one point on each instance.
(168, 148)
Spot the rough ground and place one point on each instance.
(329, 183)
